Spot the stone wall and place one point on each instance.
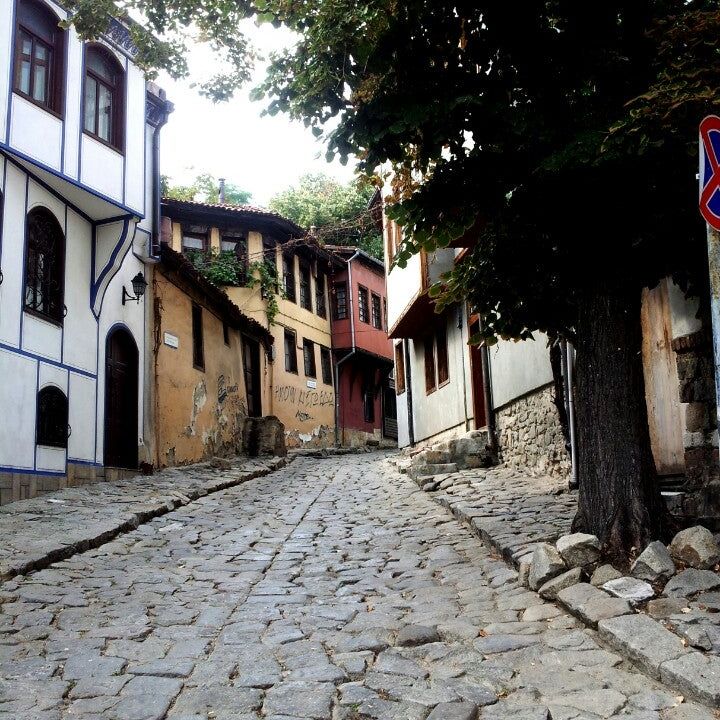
(530, 436)
(697, 395)
(16, 486)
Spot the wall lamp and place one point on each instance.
(138, 284)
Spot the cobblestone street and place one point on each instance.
(332, 588)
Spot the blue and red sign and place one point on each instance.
(710, 170)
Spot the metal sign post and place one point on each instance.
(710, 210)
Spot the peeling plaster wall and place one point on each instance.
(200, 414)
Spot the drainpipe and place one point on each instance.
(570, 364)
(340, 362)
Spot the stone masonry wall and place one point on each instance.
(696, 380)
(530, 435)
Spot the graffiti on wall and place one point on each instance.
(304, 398)
(303, 416)
(224, 389)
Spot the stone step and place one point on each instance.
(434, 469)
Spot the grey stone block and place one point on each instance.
(454, 711)
(579, 549)
(654, 563)
(603, 574)
(643, 640)
(695, 675)
(546, 564)
(550, 590)
(690, 582)
(696, 547)
(592, 605)
(631, 589)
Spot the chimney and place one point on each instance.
(221, 191)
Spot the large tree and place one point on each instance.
(562, 135)
(338, 212)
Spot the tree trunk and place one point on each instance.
(619, 498)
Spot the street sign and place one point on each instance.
(710, 171)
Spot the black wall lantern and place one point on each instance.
(139, 284)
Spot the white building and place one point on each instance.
(79, 132)
(446, 388)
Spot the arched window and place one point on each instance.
(44, 265)
(39, 55)
(104, 96)
(52, 418)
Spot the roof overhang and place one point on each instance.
(415, 319)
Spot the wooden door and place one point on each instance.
(121, 400)
(661, 382)
(251, 370)
(478, 387)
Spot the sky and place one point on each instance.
(264, 155)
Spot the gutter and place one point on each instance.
(342, 360)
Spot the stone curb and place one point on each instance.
(638, 638)
(104, 532)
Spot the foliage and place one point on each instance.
(170, 28)
(264, 274)
(339, 212)
(220, 267)
(206, 188)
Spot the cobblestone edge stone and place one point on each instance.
(125, 523)
(691, 673)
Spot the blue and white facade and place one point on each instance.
(103, 197)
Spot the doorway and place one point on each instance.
(478, 386)
(251, 370)
(121, 400)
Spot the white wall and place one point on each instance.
(683, 311)
(449, 407)
(518, 368)
(64, 149)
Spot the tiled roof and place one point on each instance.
(242, 210)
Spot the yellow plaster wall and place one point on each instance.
(199, 414)
(307, 413)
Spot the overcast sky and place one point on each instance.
(261, 154)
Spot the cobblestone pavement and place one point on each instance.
(329, 589)
(54, 526)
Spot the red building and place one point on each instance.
(365, 395)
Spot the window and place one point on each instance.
(436, 373)
(429, 347)
(269, 254)
(363, 311)
(51, 425)
(399, 369)
(340, 293)
(39, 51)
(309, 358)
(320, 306)
(236, 244)
(305, 297)
(226, 334)
(443, 373)
(376, 312)
(385, 323)
(194, 241)
(197, 337)
(44, 265)
(290, 352)
(326, 365)
(288, 263)
(368, 405)
(104, 96)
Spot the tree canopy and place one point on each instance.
(206, 188)
(338, 212)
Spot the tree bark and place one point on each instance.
(619, 499)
